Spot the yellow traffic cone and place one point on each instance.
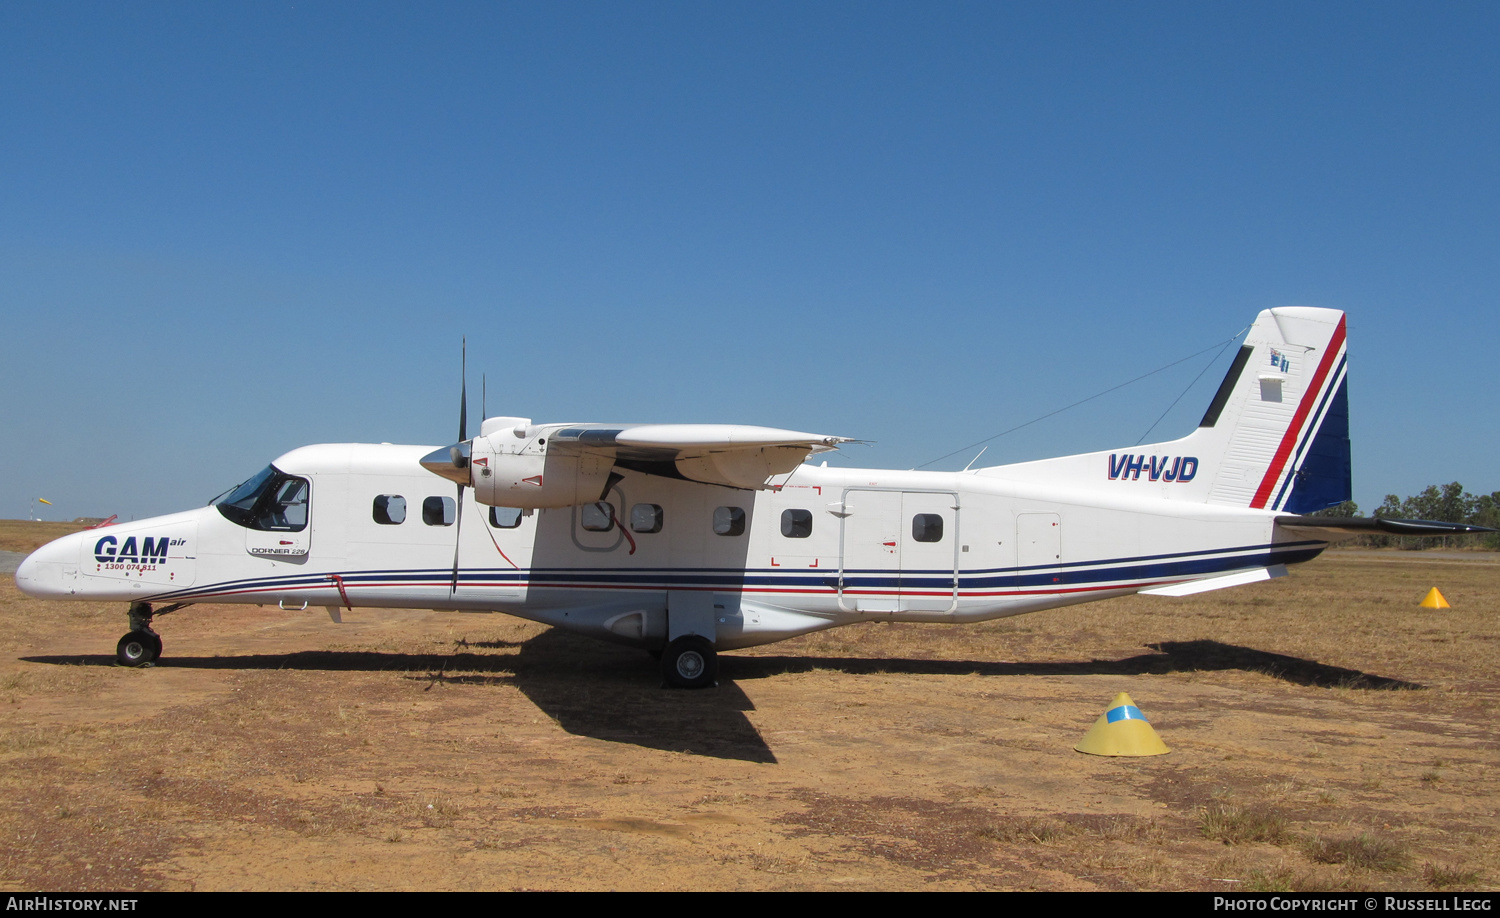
(1122, 730)
(1435, 600)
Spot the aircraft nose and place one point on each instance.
(451, 462)
(40, 574)
(26, 573)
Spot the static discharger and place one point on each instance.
(1434, 600)
(1122, 730)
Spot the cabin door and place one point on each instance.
(281, 528)
(898, 551)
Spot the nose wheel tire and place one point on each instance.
(689, 662)
(138, 648)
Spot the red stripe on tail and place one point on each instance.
(1304, 408)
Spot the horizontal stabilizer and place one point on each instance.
(1373, 524)
(1218, 583)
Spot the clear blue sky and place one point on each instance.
(230, 229)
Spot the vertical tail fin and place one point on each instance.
(1275, 437)
(1279, 425)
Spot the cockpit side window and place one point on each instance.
(287, 508)
(271, 500)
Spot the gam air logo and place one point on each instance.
(151, 550)
(1156, 468)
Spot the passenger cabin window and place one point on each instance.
(597, 517)
(271, 501)
(796, 524)
(438, 511)
(729, 521)
(390, 509)
(645, 518)
(505, 517)
(927, 527)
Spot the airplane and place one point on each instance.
(690, 539)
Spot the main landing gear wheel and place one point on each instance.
(138, 648)
(689, 662)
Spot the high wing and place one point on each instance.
(515, 463)
(736, 456)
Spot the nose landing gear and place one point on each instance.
(138, 648)
(142, 646)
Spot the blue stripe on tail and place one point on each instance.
(1325, 478)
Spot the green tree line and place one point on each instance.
(1448, 503)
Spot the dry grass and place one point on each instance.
(435, 812)
(1438, 876)
(1232, 823)
(59, 680)
(1037, 830)
(419, 750)
(1364, 851)
(1285, 878)
(28, 536)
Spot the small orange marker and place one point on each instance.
(1435, 600)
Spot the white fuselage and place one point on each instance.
(824, 547)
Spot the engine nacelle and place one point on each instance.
(509, 468)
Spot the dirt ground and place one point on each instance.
(1326, 733)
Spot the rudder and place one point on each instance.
(1282, 418)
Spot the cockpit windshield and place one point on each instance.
(270, 500)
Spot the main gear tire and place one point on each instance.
(689, 662)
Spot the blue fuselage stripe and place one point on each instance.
(1119, 570)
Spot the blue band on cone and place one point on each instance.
(1124, 712)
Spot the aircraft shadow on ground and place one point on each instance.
(589, 688)
(1171, 657)
(615, 693)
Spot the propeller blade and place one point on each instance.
(458, 528)
(459, 457)
(463, 393)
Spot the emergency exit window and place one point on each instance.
(597, 517)
(796, 524)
